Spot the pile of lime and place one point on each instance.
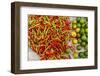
(80, 36)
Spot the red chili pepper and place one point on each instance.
(43, 58)
(48, 53)
(68, 22)
(42, 48)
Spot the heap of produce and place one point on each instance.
(58, 37)
(80, 36)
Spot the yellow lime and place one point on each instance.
(78, 35)
(75, 55)
(74, 26)
(77, 29)
(73, 34)
(74, 21)
(74, 41)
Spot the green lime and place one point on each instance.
(87, 40)
(86, 53)
(68, 50)
(78, 19)
(75, 55)
(79, 41)
(84, 38)
(78, 25)
(81, 55)
(82, 20)
(83, 25)
(83, 44)
(86, 47)
(86, 30)
(87, 35)
(86, 25)
(82, 31)
(79, 47)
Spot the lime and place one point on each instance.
(79, 47)
(74, 21)
(87, 40)
(86, 25)
(74, 41)
(87, 35)
(74, 26)
(83, 25)
(86, 48)
(82, 31)
(86, 53)
(81, 55)
(83, 44)
(75, 55)
(86, 30)
(68, 50)
(78, 35)
(77, 29)
(73, 34)
(78, 19)
(82, 20)
(84, 38)
(79, 41)
(78, 25)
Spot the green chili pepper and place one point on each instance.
(54, 25)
